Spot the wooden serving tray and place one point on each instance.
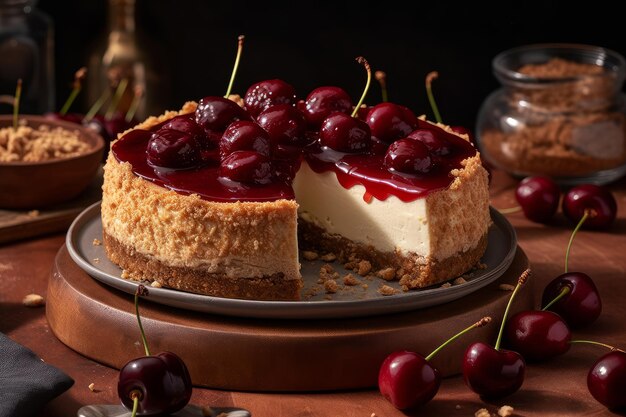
(233, 353)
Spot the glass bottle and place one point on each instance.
(26, 52)
(560, 112)
(124, 57)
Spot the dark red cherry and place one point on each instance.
(436, 144)
(406, 379)
(284, 124)
(537, 335)
(492, 373)
(362, 112)
(345, 133)
(215, 113)
(378, 147)
(581, 305)
(462, 130)
(409, 157)
(173, 149)
(244, 136)
(161, 381)
(597, 199)
(323, 101)
(538, 196)
(606, 380)
(247, 166)
(265, 94)
(389, 122)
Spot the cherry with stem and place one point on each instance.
(76, 87)
(153, 384)
(430, 77)
(492, 372)
(407, 379)
(233, 74)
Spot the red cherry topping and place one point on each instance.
(436, 144)
(173, 149)
(323, 101)
(214, 113)
(265, 94)
(284, 124)
(247, 167)
(389, 121)
(244, 136)
(409, 157)
(345, 133)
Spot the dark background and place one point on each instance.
(310, 44)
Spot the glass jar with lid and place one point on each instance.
(560, 112)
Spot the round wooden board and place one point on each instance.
(268, 355)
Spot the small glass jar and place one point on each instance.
(560, 112)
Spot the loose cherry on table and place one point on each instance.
(537, 335)
(539, 197)
(492, 372)
(346, 132)
(594, 200)
(407, 379)
(153, 384)
(607, 378)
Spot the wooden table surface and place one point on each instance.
(553, 388)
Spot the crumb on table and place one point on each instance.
(33, 300)
(505, 411)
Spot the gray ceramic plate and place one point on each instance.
(349, 301)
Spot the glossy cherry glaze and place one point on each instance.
(366, 169)
(344, 133)
(323, 101)
(436, 144)
(407, 380)
(582, 306)
(492, 373)
(595, 198)
(389, 121)
(538, 196)
(162, 381)
(537, 335)
(408, 156)
(268, 93)
(606, 380)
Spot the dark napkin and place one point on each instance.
(26, 382)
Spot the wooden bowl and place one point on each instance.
(34, 185)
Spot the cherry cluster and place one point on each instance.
(252, 139)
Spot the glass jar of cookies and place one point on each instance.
(560, 112)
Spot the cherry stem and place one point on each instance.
(97, 105)
(232, 75)
(16, 102)
(76, 86)
(135, 395)
(119, 91)
(510, 210)
(431, 98)
(381, 77)
(141, 290)
(482, 322)
(366, 64)
(571, 239)
(564, 291)
(592, 342)
(521, 281)
(134, 105)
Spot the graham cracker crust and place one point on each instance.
(412, 271)
(272, 287)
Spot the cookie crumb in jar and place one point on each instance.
(564, 118)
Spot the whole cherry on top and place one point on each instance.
(346, 132)
(407, 379)
(153, 384)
